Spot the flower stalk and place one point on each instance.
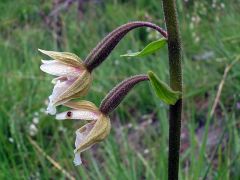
(175, 71)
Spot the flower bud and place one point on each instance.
(116, 95)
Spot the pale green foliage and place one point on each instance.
(162, 90)
(149, 49)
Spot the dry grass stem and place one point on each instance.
(52, 161)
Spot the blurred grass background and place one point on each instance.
(138, 144)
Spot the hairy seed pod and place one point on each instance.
(104, 48)
(116, 95)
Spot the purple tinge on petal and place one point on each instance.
(58, 89)
(57, 68)
(61, 87)
(79, 138)
(82, 133)
(238, 105)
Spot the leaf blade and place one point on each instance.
(149, 49)
(162, 90)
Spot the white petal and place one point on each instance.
(51, 109)
(57, 68)
(81, 134)
(81, 114)
(47, 61)
(77, 159)
(59, 88)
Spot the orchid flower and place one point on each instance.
(73, 79)
(91, 133)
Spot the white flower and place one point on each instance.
(91, 133)
(35, 120)
(11, 140)
(33, 130)
(73, 79)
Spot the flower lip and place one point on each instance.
(91, 134)
(81, 134)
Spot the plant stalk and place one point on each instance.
(175, 71)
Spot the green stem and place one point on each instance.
(175, 70)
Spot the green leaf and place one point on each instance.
(162, 90)
(149, 49)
